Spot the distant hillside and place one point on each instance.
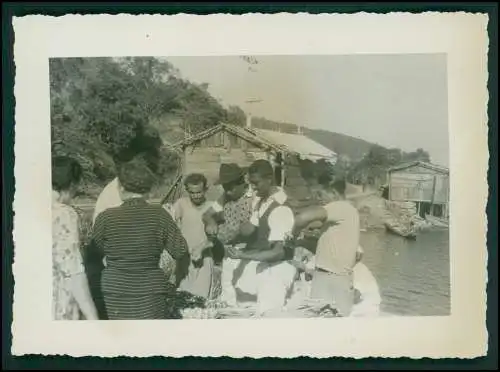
(352, 147)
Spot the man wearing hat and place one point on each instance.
(224, 222)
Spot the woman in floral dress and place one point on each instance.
(71, 293)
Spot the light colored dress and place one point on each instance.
(66, 260)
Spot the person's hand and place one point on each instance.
(290, 240)
(232, 252)
(211, 229)
(309, 272)
(197, 263)
(196, 254)
(308, 275)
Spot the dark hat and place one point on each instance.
(229, 172)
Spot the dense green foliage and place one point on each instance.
(103, 110)
(373, 167)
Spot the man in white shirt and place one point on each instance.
(271, 222)
(367, 293)
(108, 198)
(336, 249)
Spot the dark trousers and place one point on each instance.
(94, 266)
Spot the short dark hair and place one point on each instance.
(261, 167)
(195, 179)
(66, 171)
(136, 176)
(340, 186)
(237, 182)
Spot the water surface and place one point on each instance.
(413, 276)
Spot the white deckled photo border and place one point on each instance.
(461, 36)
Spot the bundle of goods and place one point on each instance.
(200, 313)
(179, 301)
(211, 310)
(239, 312)
(314, 309)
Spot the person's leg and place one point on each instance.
(336, 290)
(228, 294)
(273, 286)
(321, 287)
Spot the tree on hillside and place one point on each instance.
(101, 109)
(418, 155)
(373, 167)
(196, 107)
(153, 81)
(236, 116)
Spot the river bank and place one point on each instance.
(377, 212)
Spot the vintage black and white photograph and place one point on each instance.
(265, 189)
(250, 186)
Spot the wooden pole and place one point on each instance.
(389, 196)
(431, 212)
(283, 173)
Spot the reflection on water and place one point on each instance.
(413, 276)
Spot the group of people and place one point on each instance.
(251, 230)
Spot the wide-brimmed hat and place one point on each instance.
(229, 172)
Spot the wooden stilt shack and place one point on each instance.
(425, 184)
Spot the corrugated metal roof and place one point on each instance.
(300, 144)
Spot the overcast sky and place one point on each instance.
(394, 100)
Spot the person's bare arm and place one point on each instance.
(72, 262)
(81, 292)
(213, 216)
(275, 254)
(247, 229)
(308, 216)
(175, 245)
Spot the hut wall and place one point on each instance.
(442, 191)
(207, 160)
(419, 184)
(408, 186)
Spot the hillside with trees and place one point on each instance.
(104, 111)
